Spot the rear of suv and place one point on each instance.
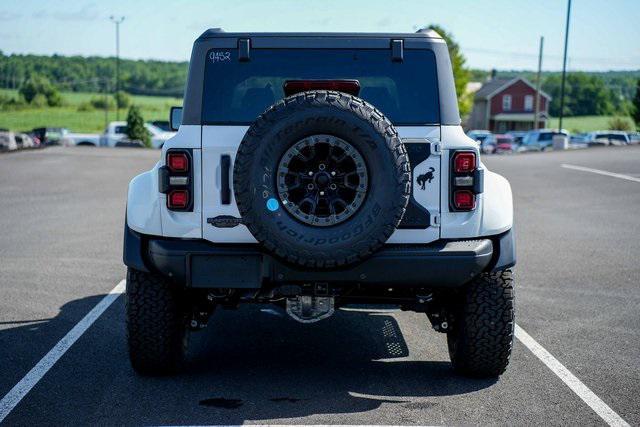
(312, 171)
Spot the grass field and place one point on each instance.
(68, 116)
(583, 123)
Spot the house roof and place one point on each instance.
(494, 86)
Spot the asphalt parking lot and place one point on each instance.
(578, 293)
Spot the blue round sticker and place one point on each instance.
(272, 204)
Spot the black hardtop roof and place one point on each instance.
(216, 38)
(220, 33)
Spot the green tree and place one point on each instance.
(135, 127)
(620, 123)
(585, 95)
(636, 106)
(123, 99)
(39, 101)
(40, 85)
(461, 74)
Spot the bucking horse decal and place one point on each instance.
(425, 178)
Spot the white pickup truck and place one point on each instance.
(115, 135)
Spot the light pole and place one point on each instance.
(536, 118)
(564, 65)
(117, 21)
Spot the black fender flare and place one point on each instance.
(133, 244)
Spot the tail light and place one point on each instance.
(178, 162)
(466, 181)
(175, 179)
(464, 200)
(464, 162)
(178, 199)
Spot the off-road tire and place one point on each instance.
(315, 113)
(481, 340)
(156, 326)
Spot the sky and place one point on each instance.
(501, 34)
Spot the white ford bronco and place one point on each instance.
(313, 171)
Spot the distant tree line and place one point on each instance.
(94, 74)
(40, 77)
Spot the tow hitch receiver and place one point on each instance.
(310, 309)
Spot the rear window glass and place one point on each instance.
(237, 92)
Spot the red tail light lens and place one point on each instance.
(464, 200)
(347, 86)
(464, 162)
(178, 199)
(178, 162)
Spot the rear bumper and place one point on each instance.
(202, 264)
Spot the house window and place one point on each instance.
(528, 103)
(506, 103)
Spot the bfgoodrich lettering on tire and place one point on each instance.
(321, 179)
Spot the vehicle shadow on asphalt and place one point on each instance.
(257, 364)
(250, 364)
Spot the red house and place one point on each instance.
(503, 105)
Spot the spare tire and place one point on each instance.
(321, 179)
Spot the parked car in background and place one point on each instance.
(49, 135)
(116, 135)
(24, 141)
(504, 143)
(162, 124)
(81, 139)
(158, 135)
(578, 141)
(8, 141)
(634, 138)
(487, 145)
(607, 137)
(578, 138)
(541, 139)
(518, 136)
(478, 135)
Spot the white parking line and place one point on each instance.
(601, 172)
(577, 386)
(20, 390)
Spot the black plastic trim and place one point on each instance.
(244, 50)
(225, 187)
(133, 249)
(505, 244)
(397, 50)
(442, 264)
(416, 216)
(163, 179)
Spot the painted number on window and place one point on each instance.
(219, 56)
